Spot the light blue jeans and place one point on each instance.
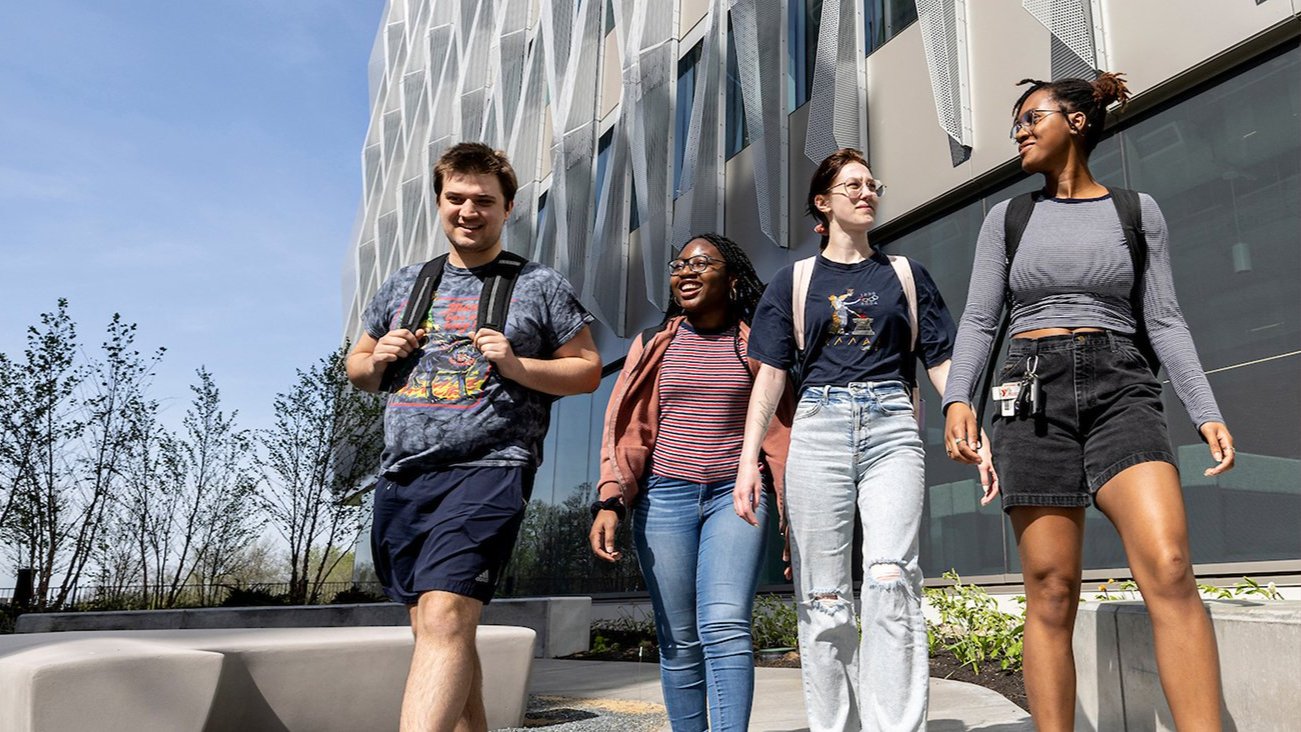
(857, 448)
(701, 563)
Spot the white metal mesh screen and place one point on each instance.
(836, 106)
(1071, 24)
(697, 208)
(944, 37)
(760, 64)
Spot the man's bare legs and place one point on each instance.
(444, 690)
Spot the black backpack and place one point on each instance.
(494, 302)
(1130, 211)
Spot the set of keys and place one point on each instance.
(1021, 398)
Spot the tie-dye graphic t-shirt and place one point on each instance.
(454, 409)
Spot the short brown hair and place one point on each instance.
(476, 158)
(823, 177)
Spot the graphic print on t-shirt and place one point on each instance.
(451, 372)
(850, 323)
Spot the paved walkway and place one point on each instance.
(778, 705)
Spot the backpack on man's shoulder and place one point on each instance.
(494, 305)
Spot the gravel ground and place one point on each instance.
(568, 714)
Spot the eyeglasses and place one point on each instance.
(856, 188)
(1031, 118)
(697, 264)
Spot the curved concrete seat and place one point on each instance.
(317, 679)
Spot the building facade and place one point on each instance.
(633, 124)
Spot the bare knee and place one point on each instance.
(886, 573)
(1167, 576)
(1052, 599)
(443, 617)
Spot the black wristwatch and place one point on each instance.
(613, 503)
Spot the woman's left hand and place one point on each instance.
(988, 476)
(1220, 442)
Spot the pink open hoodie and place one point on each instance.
(632, 420)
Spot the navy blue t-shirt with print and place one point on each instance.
(455, 409)
(855, 324)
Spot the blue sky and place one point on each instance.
(193, 166)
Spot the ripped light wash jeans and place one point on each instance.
(857, 447)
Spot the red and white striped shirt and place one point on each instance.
(704, 391)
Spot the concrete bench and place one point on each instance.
(562, 624)
(284, 679)
(1116, 677)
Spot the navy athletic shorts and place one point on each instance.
(451, 530)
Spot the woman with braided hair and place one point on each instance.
(672, 441)
(1085, 271)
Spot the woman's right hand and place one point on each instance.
(961, 434)
(604, 526)
(748, 491)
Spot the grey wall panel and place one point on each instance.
(1199, 30)
(909, 149)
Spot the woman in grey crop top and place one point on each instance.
(1078, 413)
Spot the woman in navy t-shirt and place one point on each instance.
(854, 447)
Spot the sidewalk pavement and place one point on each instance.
(778, 702)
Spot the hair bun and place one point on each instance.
(1110, 87)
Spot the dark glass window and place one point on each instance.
(687, 66)
(804, 19)
(884, 20)
(737, 130)
(1224, 165)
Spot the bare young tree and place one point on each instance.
(67, 432)
(325, 441)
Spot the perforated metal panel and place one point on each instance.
(944, 36)
(760, 64)
(1071, 24)
(699, 203)
(836, 108)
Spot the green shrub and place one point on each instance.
(973, 628)
(252, 597)
(775, 623)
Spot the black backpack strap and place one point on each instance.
(498, 286)
(1015, 219)
(413, 316)
(1130, 211)
(422, 293)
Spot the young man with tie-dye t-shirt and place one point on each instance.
(463, 431)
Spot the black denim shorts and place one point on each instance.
(1101, 414)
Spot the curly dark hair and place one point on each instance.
(749, 288)
(1081, 95)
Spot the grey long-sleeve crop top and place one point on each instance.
(1073, 270)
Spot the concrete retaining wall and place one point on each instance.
(1260, 667)
(562, 624)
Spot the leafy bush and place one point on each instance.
(1248, 587)
(252, 597)
(355, 595)
(973, 628)
(775, 623)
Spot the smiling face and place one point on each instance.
(701, 292)
(473, 211)
(852, 211)
(1044, 144)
